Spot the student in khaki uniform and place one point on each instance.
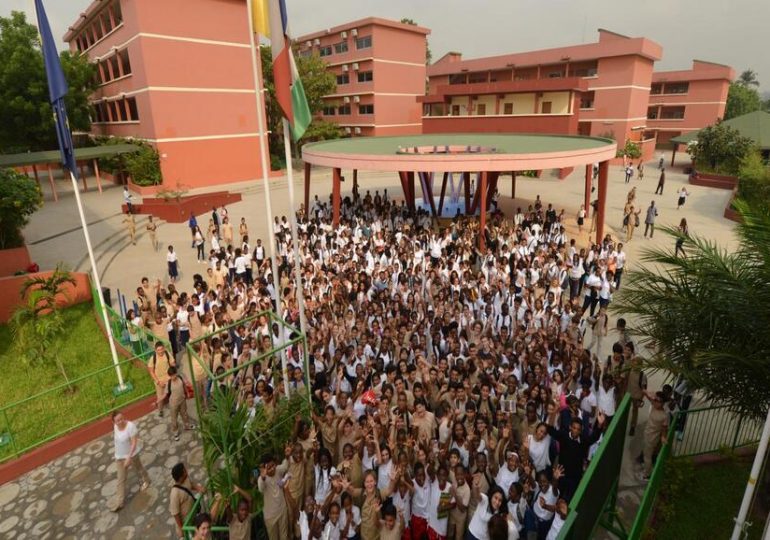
(275, 511)
(152, 230)
(239, 522)
(177, 402)
(655, 431)
(131, 226)
(458, 516)
(127, 448)
(392, 526)
(637, 384)
(158, 366)
(182, 496)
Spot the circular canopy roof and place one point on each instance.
(454, 152)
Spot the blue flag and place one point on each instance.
(57, 89)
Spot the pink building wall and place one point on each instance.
(704, 101)
(397, 62)
(192, 81)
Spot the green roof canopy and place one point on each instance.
(53, 156)
(755, 126)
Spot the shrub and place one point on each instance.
(20, 196)
(142, 166)
(631, 150)
(754, 180)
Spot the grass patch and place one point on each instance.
(705, 503)
(85, 353)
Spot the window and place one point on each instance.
(325, 51)
(125, 63)
(306, 53)
(343, 79)
(366, 109)
(341, 47)
(656, 89)
(507, 108)
(652, 113)
(477, 78)
(481, 109)
(555, 75)
(114, 66)
(113, 108)
(133, 112)
(365, 76)
(677, 88)
(546, 107)
(99, 27)
(672, 113)
(460, 78)
(586, 103)
(117, 13)
(343, 109)
(455, 110)
(364, 42)
(329, 110)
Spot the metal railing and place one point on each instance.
(47, 415)
(694, 432)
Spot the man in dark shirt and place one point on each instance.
(573, 452)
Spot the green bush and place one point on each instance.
(631, 150)
(720, 149)
(20, 196)
(143, 166)
(754, 180)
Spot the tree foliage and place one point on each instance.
(741, 99)
(720, 148)
(26, 118)
(748, 78)
(20, 196)
(142, 166)
(631, 150)
(754, 180)
(317, 82)
(706, 314)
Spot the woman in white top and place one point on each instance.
(538, 446)
(173, 264)
(488, 506)
(127, 447)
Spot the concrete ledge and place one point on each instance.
(718, 181)
(13, 260)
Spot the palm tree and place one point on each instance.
(748, 78)
(53, 284)
(707, 314)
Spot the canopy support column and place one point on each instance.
(443, 192)
(587, 193)
(482, 210)
(604, 168)
(336, 179)
(307, 189)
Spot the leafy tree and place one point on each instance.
(631, 150)
(741, 99)
(754, 180)
(720, 148)
(20, 196)
(26, 118)
(38, 322)
(143, 166)
(706, 314)
(321, 130)
(748, 78)
(428, 54)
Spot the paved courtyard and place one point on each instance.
(68, 497)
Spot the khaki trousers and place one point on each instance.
(120, 492)
(278, 529)
(178, 408)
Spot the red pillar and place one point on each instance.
(604, 168)
(513, 184)
(673, 154)
(307, 189)
(483, 211)
(336, 178)
(587, 194)
(443, 192)
(410, 188)
(355, 182)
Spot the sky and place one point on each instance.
(732, 33)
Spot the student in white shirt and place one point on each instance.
(489, 505)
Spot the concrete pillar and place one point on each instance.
(604, 168)
(336, 179)
(587, 193)
(307, 189)
(483, 211)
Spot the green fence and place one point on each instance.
(705, 430)
(47, 415)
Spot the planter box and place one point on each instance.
(11, 285)
(14, 259)
(178, 210)
(144, 191)
(729, 213)
(719, 181)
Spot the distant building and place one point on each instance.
(178, 74)
(687, 100)
(597, 88)
(380, 70)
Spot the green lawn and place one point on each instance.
(707, 505)
(85, 353)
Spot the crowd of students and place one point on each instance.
(458, 393)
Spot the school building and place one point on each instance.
(380, 69)
(177, 73)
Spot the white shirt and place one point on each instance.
(171, 256)
(438, 525)
(558, 523)
(506, 477)
(550, 500)
(123, 441)
(479, 524)
(355, 519)
(538, 452)
(421, 499)
(605, 400)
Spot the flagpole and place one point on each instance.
(265, 158)
(295, 243)
(121, 385)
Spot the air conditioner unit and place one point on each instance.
(357, 99)
(344, 67)
(346, 99)
(358, 131)
(317, 41)
(348, 130)
(355, 66)
(308, 44)
(344, 35)
(354, 32)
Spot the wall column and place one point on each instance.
(483, 211)
(336, 197)
(604, 168)
(307, 189)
